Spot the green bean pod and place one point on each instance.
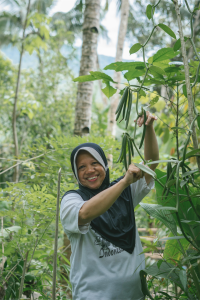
(123, 145)
(120, 105)
(129, 152)
(128, 109)
(125, 161)
(144, 130)
(124, 107)
(121, 152)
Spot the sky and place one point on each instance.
(111, 22)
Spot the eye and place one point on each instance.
(81, 167)
(95, 163)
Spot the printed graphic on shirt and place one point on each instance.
(106, 248)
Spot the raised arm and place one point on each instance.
(100, 203)
(151, 150)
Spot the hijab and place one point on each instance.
(117, 224)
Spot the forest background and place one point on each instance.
(43, 117)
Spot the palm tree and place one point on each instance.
(87, 64)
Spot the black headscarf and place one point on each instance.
(117, 224)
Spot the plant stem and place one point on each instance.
(177, 108)
(56, 240)
(191, 108)
(14, 118)
(23, 276)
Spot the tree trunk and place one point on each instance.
(88, 63)
(117, 75)
(15, 138)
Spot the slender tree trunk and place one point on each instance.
(196, 30)
(88, 63)
(117, 75)
(187, 78)
(15, 138)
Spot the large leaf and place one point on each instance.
(122, 66)
(101, 75)
(157, 70)
(134, 74)
(183, 278)
(135, 48)
(173, 249)
(109, 91)
(146, 169)
(84, 78)
(164, 53)
(164, 216)
(167, 30)
(165, 270)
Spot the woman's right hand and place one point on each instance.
(133, 174)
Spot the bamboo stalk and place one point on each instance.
(56, 240)
(23, 276)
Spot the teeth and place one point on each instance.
(92, 178)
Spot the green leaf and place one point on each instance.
(183, 278)
(190, 173)
(166, 270)
(173, 249)
(148, 11)
(135, 48)
(178, 237)
(157, 70)
(163, 215)
(159, 263)
(134, 74)
(192, 153)
(167, 30)
(184, 91)
(109, 91)
(84, 78)
(191, 222)
(146, 170)
(144, 286)
(177, 45)
(154, 101)
(170, 183)
(122, 66)
(101, 75)
(164, 54)
(142, 93)
(172, 69)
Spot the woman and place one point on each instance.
(99, 221)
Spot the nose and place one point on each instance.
(90, 169)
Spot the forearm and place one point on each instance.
(100, 203)
(151, 150)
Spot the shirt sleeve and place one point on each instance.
(140, 189)
(69, 211)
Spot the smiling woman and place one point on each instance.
(99, 221)
(90, 172)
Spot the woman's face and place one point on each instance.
(91, 174)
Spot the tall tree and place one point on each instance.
(117, 75)
(88, 63)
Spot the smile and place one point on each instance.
(94, 178)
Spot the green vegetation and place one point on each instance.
(45, 113)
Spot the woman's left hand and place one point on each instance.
(150, 119)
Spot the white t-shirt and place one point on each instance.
(99, 269)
